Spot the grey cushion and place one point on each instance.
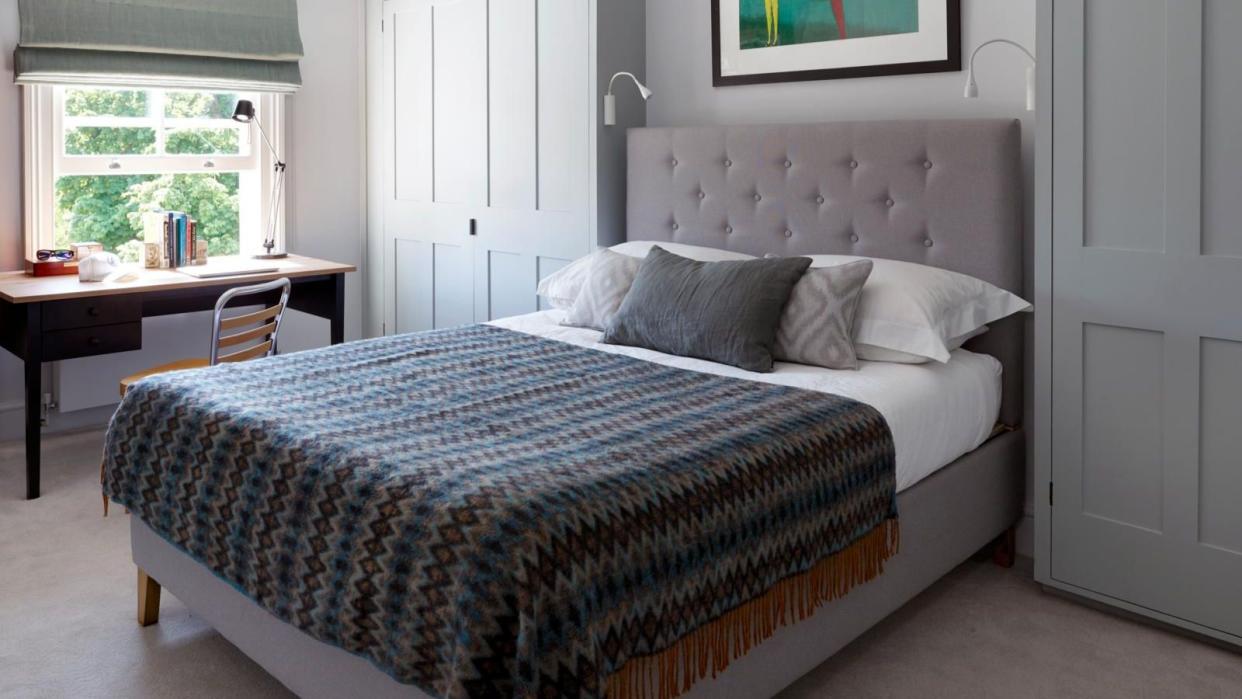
(817, 327)
(608, 280)
(725, 312)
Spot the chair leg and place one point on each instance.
(148, 599)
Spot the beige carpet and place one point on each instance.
(67, 623)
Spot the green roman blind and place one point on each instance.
(221, 44)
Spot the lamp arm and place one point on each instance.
(268, 141)
(614, 79)
(1014, 44)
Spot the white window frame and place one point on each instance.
(45, 161)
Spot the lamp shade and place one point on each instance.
(244, 111)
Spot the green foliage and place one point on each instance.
(93, 208)
(122, 103)
(102, 140)
(199, 105)
(200, 141)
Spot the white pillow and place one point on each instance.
(921, 310)
(872, 353)
(608, 280)
(561, 288)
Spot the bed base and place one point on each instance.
(945, 519)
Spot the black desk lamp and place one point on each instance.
(244, 113)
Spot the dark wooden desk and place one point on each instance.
(48, 319)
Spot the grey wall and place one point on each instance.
(679, 70)
(326, 187)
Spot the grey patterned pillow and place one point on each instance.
(608, 280)
(817, 326)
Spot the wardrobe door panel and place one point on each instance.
(1146, 323)
(563, 105)
(435, 158)
(410, 32)
(513, 86)
(459, 101)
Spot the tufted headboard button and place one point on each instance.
(675, 226)
(853, 237)
(819, 199)
(702, 195)
(729, 229)
(788, 164)
(927, 242)
(758, 197)
(674, 162)
(853, 164)
(889, 203)
(788, 233)
(728, 163)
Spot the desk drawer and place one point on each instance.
(90, 312)
(88, 342)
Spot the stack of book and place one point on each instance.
(176, 235)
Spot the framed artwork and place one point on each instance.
(766, 41)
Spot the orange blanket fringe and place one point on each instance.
(710, 648)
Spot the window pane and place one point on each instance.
(199, 105)
(108, 140)
(104, 102)
(108, 209)
(201, 141)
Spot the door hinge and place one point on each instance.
(1049, 493)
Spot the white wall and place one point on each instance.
(679, 70)
(11, 245)
(326, 183)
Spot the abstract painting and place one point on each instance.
(758, 41)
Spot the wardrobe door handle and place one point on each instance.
(474, 226)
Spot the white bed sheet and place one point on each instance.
(936, 412)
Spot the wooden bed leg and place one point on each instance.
(148, 599)
(1004, 549)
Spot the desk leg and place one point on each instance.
(337, 321)
(34, 396)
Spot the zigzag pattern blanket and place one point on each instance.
(481, 512)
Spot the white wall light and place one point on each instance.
(972, 88)
(610, 100)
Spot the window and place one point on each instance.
(102, 163)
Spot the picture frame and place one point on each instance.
(916, 36)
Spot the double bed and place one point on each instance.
(940, 193)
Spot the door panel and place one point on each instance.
(540, 153)
(513, 60)
(435, 127)
(459, 101)
(1147, 328)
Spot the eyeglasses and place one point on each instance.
(62, 255)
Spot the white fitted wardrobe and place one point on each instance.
(490, 166)
(1139, 269)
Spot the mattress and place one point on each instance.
(936, 412)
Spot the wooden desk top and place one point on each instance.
(17, 287)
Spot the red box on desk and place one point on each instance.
(51, 268)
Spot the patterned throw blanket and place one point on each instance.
(480, 512)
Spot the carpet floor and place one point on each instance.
(67, 624)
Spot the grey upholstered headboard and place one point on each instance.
(943, 193)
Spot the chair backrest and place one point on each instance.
(257, 327)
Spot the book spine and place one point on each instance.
(167, 257)
(191, 247)
(181, 221)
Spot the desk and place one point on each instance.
(47, 319)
